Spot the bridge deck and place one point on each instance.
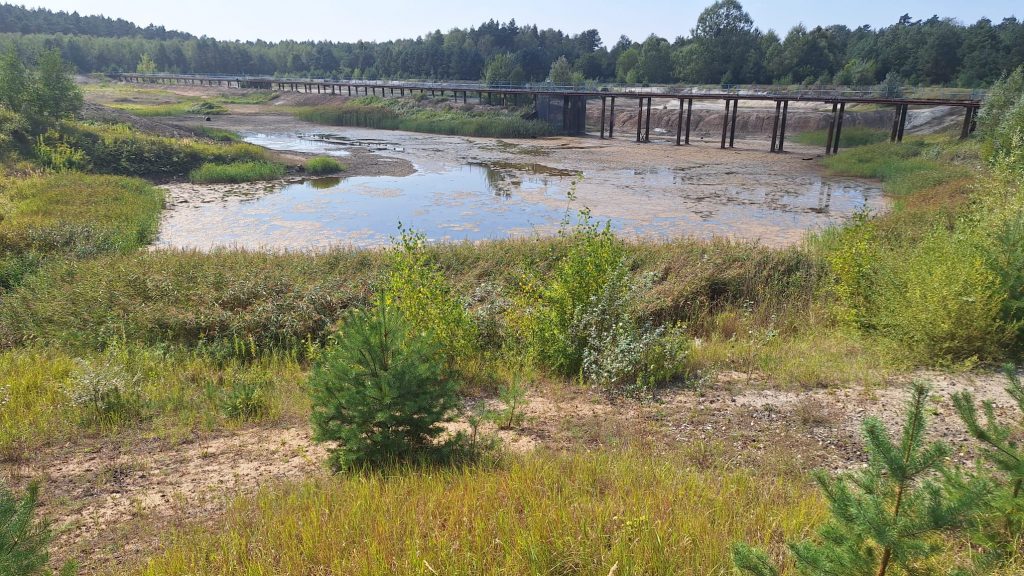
(574, 98)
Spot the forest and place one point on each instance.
(723, 47)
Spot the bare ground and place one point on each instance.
(115, 496)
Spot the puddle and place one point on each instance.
(295, 143)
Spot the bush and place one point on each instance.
(381, 392)
(106, 394)
(23, 538)
(246, 398)
(120, 149)
(419, 290)
(323, 165)
(235, 173)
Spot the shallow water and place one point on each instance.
(464, 191)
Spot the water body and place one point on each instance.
(466, 191)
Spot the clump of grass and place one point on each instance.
(396, 114)
(323, 165)
(236, 172)
(252, 98)
(643, 513)
(190, 106)
(220, 134)
(850, 137)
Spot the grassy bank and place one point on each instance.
(119, 149)
(323, 165)
(536, 514)
(406, 114)
(72, 215)
(850, 137)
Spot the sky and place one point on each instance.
(346, 20)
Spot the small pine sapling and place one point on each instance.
(381, 392)
(1004, 533)
(23, 538)
(885, 516)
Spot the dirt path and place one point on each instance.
(114, 497)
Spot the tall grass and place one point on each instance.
(593, 513)
(79, 213)
(120, 149)
(236, 172)
(850, 137)
(50, 396)
(323, 165)
(394, 114)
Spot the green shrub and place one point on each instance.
(246, 397)
(323, 165)
(24, 539)
(940, 300)
(584, 322)
(106, 394)
(419, 290)
(381, 391)
(236, 173)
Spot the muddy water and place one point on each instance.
(475, 189)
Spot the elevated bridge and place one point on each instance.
(565, 107)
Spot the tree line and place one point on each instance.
(724, 47)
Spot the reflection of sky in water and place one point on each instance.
(497, 200)
(474, 202)
(294, 143)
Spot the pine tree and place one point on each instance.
(884, 518)
(23, 538)
(1002, 531)
(381, 392)
(14, 81)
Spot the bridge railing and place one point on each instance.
(792, 91)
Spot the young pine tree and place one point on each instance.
(23, 538)
(885, 517)
(1001, 531)
(381, 392)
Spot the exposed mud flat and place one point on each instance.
(476, 189)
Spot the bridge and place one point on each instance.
(566, 106)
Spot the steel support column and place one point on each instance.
(647, 127)
(689, 114)
(725, 123)
(839, 127)
(831, 128)
(611, 119)
(732, 131)
(679, 124)
(604, 104)
(782, 129)
(639, 119)
(903, 122)
(775, 124)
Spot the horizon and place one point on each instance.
(226, 23)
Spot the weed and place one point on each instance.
(236, 172)
(323, 165)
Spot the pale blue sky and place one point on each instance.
(348, 20)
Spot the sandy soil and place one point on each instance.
(115, 496)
